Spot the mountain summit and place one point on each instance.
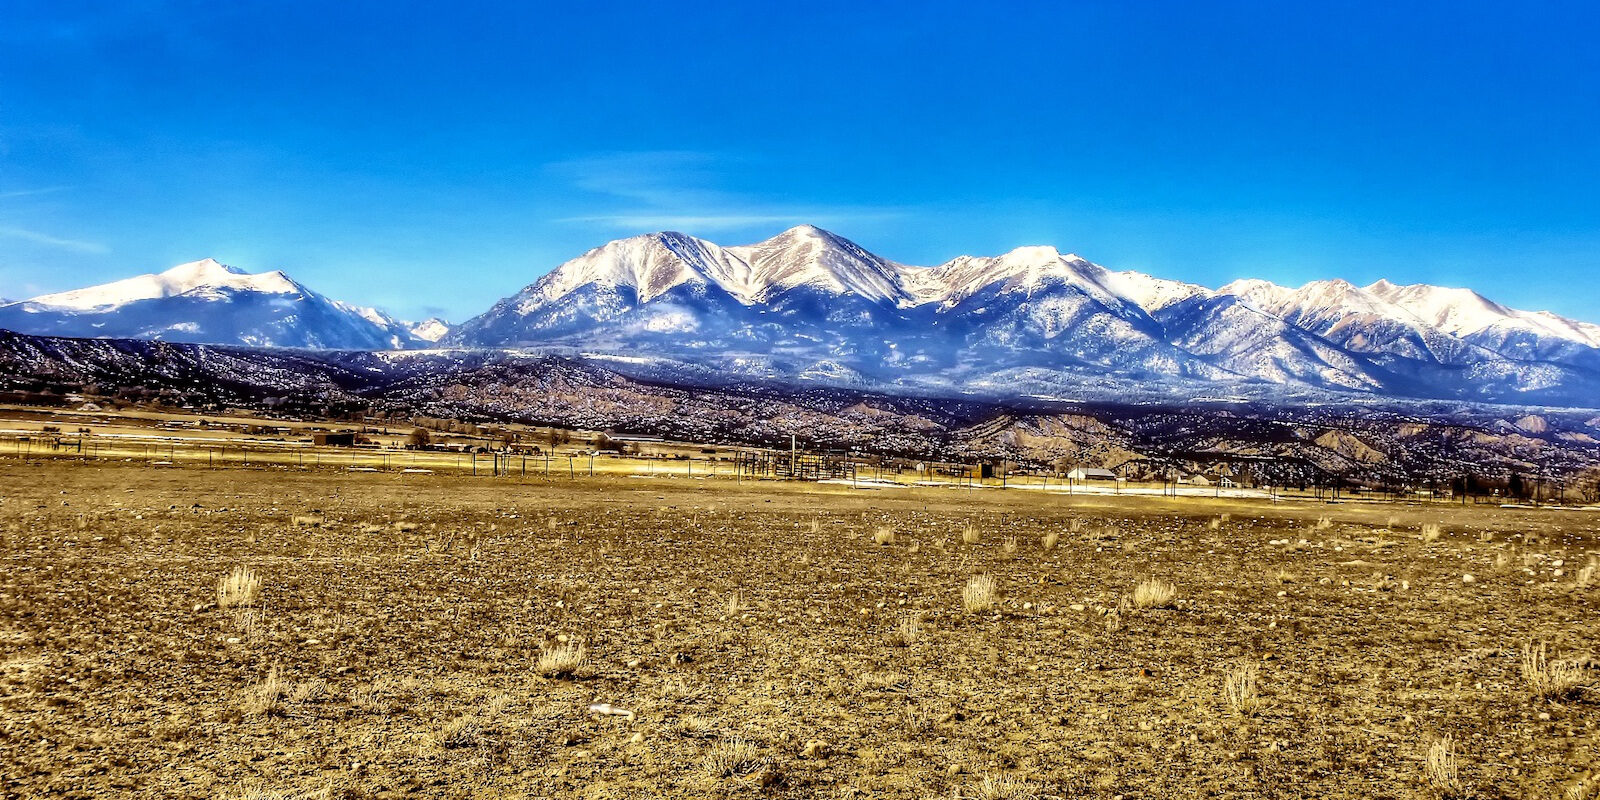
(809, 303)
(207, 301)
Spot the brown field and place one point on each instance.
(398, 635)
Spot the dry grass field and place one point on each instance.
(260, 633)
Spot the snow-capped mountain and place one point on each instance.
(808, 303)
(205, 301)
(431, 329)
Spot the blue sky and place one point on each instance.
(431, 158)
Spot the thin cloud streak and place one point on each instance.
(669, 189)
(75, 245)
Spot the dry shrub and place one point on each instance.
(463, 731)
(1240, 685)
(1009, 546)
(816, 525)
(733, 758)
(1154, 593)
(241, 587)
(883, 535)
(1586, 576)
(1324, 523)
(1000, 787)
(1283, 575)
(980, 594)
(309, 521)
(1048, 541)
(1547, 679)
(1440, 766)
(563, 660)
(734, 605)
(266, 697)
(970, 534)
(907, 632)
(1431, 532)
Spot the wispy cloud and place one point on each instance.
(75, 245)
(14, 193)
(676, 189)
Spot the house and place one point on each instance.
(1091, 474)
(1197, 480)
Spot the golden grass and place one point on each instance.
(1431, 532)
(1441, 768)
(564, 660)
(1154, 593)
(970, 534)
(241, 587)
(884, 535)
(1547, 679)
(1048, 541)
(1240, 687)
(907, 632)
(733, 758)
(980, 594)
(1000, 787)
(266, 697)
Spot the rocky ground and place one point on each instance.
(407, 634)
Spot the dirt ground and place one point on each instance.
(774, 641)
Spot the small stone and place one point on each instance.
(1544, 716)
(1468, 578)
(233, 640)
(1077, 606)
(953, 769)
(815, 748)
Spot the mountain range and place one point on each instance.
(810, 306)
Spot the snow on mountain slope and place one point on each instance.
(431, 329)
(809, 256)
(206, 301)
(1465, 313)
(807, 296)
(204, 276)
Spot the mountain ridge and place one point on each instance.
(811, 305)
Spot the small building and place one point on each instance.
(332, 439)
(1091, 474)
(1197, 480)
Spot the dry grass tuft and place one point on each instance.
(1049, 540)
(734, 605)
(1154, 593)
(884, 535)
(1547, 679)
(1240, 685)
(309, 520)
(1324, 523)
(1440, 767)
(970, 534)
(907, 632)
(733, 758)
(980, 594)
(1009, 546)
(1586, 576)
(1000, 787)
(563, 660)
(266, 698)
(1431, 532)
(241, 587)
(463, 731)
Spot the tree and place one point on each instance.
(419, 438)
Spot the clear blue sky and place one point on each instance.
(431, 158)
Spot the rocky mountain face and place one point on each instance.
(205, 301)
(813, 306)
